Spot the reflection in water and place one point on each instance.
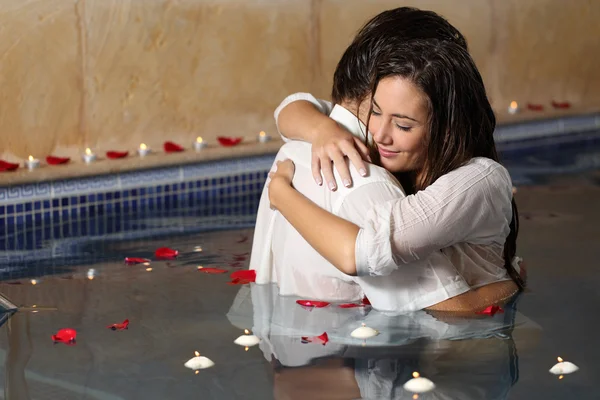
(467, 358)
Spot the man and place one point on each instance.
(281, 255)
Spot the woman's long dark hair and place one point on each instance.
(461, 120)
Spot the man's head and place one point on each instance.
(353, 75)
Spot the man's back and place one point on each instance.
(281, 255)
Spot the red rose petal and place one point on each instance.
(312, 303)
(212, 270)
(165, 252)
(366, 301)
(247, 274)
(491, 310)
(229, 141)
(323, 339)
(135, 260)
(239, 258)
(562, 105)
(171, 147)
(57, 160)
(122, 326)
(535, 107)
(238, 281)
(116, 154)
(7, 166)
(66, 336)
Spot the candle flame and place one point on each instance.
(263, 133)
(143, 146)
(559, 359)
(560, 377)
(91, 277)
(415, 396)
(197, 354)
(513, 105)
(200, 267)
(197, 248)
(146, 264)
(149, 269)
(199, 139)
(34, 282)
(196, 372)
(246, 348)
(246, 331)
(34, 306)
(416, 374)
(30, 158)
(88, 151)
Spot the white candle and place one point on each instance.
(88, 156)
(247, 340)
(418, 384)
(364, 332)
(563, 367)
(198, 362)
(263, 137)
(513, 108)
(91, 274)
(199, 144)
(32, 163)
(143, 150)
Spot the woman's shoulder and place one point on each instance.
(480, 173)
(482, 168)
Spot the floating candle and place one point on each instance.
(34, 282)
(32, 163)
(91, 274)
(247, 340)
(143, 150)
(419, 384)
(199, 144)
(88, 156)
(198, 362)
(364, 332)
(563, 367)
(263, 137)
(513, 108)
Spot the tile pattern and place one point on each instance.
(190, 197)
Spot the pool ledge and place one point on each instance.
(103, 166)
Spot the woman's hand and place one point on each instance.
(331, 145)
(281, 176)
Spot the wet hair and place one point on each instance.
(461, 121)
(352, 76)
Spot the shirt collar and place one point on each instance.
(349, 121)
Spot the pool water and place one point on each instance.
(174, 310)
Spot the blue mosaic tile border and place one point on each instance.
(548, 128)
(201, 194)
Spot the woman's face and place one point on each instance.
(399, 124)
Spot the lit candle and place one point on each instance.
(91, 274)
(88, 156)
(364, 332)
(419, 384)
(143, 150)
(32, 163)
(34, 281)
(247, 340)
(198, 362)
(513, 108)
(199, 144)
(198, 249)
(563, 367)
(149, 269)
(263, 137)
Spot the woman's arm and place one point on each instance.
(317, 226)
(302, 117)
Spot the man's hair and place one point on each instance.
(352, 77)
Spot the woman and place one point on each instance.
(433, 126)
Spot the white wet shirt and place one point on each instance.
(463, 217)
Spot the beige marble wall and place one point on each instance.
(113, 73)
